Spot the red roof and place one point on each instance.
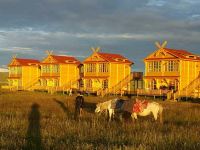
(114, 57)
(182, 54)
(26, 62)
(65, 59)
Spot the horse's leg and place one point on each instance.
(110, 114)
(113, 113)
(155, 114)
(134, 116)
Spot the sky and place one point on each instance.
(71, 27)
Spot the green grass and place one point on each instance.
(42, 121)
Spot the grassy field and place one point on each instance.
(41, 121)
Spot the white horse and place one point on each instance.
(106, 106)
(155, 108)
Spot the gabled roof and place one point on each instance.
(113, 58)
(177, 54)
(25, 62)
(64, 59)
(182, 54)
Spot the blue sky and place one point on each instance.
(71, 27)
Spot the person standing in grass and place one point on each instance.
(79, 103)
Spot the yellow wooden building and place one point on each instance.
(106, 73)
(171, 69)
(22, 73)
(59, 73)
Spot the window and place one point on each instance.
(44, 69)
(15, 70)
(56, 83)
(55, 68)
(154, 66)
(81, 83)
(90, 67)
(89, 83)
(11, 82)
(48, 68)
(172, 66)
(44, 82)
(153, 84)
(150, 67)
(103, 67)
(105, 84)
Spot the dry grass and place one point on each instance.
(42, 121)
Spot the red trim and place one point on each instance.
(109, 57)
(182, 54)
(63, 60)
(95, 77)
(49, 77)
(162, 58)
(26, 62)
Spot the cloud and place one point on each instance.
(158, 3)
(22, 50)
(71, 27)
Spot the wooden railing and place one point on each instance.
(149, 92)
(70, 84)
(116, 89)
(189, 90)
(15, 88)
(15, 75)
(50, 74)
(31, 84)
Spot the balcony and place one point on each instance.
(43, 75)
(96, 74)
(149, 92)
(15, 76)
(166, 73)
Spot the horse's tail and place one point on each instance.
(160, 113)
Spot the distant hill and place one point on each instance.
(3, 77)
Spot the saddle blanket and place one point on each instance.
(117, 103)
(139, 106)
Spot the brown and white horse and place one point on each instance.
(152, 107)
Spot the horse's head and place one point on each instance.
(97, 110)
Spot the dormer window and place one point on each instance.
(191, 56)
(31, 64)
(119, 59)
(69, 61)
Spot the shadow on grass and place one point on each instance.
(33, 136)
(68, 113)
